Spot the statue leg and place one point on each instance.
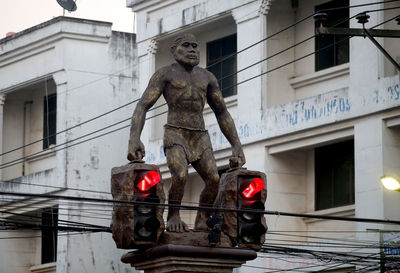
(207, 169)
(178, 165)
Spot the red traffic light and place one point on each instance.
(149, 180)
(256, 185)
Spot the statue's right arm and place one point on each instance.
(150, 96)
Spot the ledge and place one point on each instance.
(392, 122)
(323, 75)
(44, 154)
(44, 268)
(344, 211)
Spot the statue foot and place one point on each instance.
(201, 221)
(175, 224)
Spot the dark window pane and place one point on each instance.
(325, 57)
(229, 45)
(228, 80)
(338, 53)
(214, 50)
(49, 120)
(223, 69)
(49, 235)
(334, 175)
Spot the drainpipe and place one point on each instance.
(24, 136)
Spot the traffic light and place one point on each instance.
(146, 223)
(251, 229)
(137, 222)
(245, 191)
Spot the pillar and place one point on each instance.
(2, 100)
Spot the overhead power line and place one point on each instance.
(109, 201)
(20, 160)
(220, 61)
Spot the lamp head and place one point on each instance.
(390, 183)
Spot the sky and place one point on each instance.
(17, 15)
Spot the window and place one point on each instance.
(225, 70)
(338, 53)
(49, 235)
(49, 120)
(334, 175)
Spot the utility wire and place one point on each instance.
(109, 201)
(70, 128)
(59, 220)
(41, 236)
(20, 160)
(220, 61)
(298, 22)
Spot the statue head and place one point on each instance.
(185, 50)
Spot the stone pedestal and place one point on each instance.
(184, 259)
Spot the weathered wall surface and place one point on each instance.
(282, 117)
(94, 71)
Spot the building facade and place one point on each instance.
(318, 115)
(57, 80)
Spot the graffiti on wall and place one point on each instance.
(330, 107)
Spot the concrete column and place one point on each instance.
(377, 153)
(2, 100)
(368, 157)
(146, 67)
(249, 93)
(366, 61)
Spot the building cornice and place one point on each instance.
(265, 6)
(55, 29)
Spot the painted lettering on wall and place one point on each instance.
(306, 113)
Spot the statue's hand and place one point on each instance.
(238, 159)
(135, 150)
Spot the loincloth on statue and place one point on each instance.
(193, 141)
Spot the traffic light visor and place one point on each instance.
(149, 180)
(256, 185)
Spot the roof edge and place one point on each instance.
(50, 22)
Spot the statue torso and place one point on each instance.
(185, 93)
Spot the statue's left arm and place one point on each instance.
(225, 121)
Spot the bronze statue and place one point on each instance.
(186, 88)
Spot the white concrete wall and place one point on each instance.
(94, 71)
(13, 130)
(28, 252)
(282, 118)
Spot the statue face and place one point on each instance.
(187, 52)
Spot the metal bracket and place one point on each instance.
(370, 33)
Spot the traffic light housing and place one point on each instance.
(245, 191)
(251, 229)
(139, 224)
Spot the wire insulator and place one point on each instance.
(362, 18)
(320, 18)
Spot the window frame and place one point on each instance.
(231, 91)
(49, 138)
(49, 235)
(325, 39)
(340, 159)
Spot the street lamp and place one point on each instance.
(390, 183)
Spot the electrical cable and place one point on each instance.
(7, 164)
(20, 160)
(286, 28)
(298, 22)
(58, 227)
(60, 220)
(215, 209)
(70, 128)
(41, 236)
